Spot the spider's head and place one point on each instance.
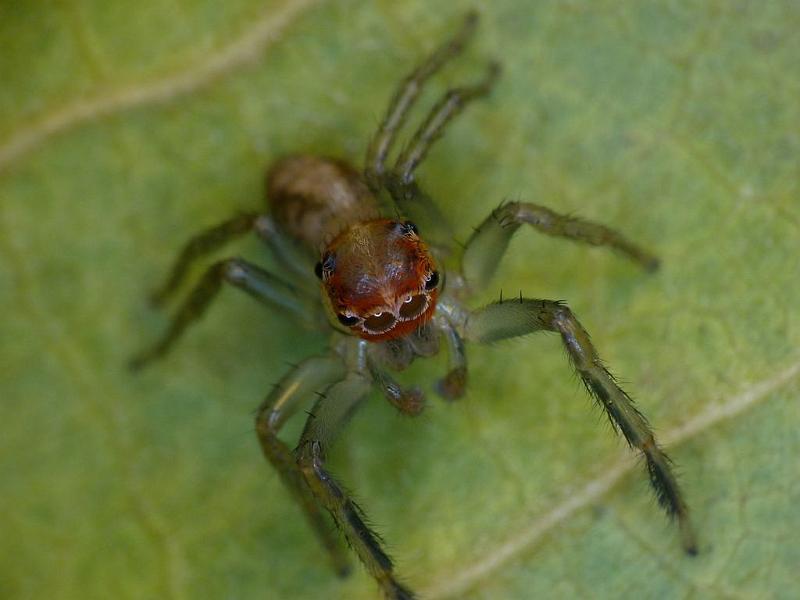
(379, 279)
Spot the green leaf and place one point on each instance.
(125, 127)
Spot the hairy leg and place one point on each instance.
(406, 95)
(513, 318)
(488, 243)
(328, 416)
(312, 376)
(252, 279)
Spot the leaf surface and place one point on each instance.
(126, 127)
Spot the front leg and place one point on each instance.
(508, 319)
(239, 273)
(312, 376)
(328, 416)
(488, 243)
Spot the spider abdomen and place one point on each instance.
(313, 199)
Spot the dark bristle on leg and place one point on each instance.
(328, 417)
(511, 319)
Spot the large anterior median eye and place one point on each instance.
(413, 306)
(380, 322)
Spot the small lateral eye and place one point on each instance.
(432, 281)
(347, 320)
(409, 228)
(324, 268)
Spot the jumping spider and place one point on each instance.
(383, 289)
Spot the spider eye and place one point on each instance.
(432, 281)
(347, 320)
(381, 322)
(414, 306)
(324, 268)
(408, 228)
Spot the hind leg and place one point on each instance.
(406, 96)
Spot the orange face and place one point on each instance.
(379, 279)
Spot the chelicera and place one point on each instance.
(393, 288)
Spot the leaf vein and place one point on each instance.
(244, 49)
(457, 583)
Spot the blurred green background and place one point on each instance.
(125, 127)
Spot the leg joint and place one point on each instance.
(563, 318)
(308, 456)
(234, 270)
(264, 227)
(508, 214)
(265, 423)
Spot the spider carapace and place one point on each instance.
(377, 274)
(355, 260)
